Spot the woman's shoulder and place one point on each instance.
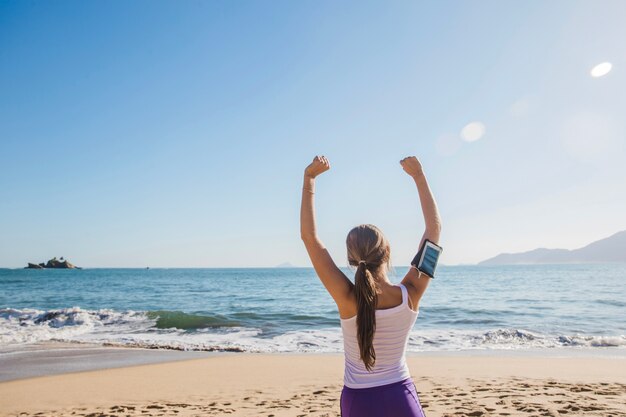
(411, 294)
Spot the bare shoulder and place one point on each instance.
(412, 295)
(416, 284)
(347, 306)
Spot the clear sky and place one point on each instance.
(175, 134)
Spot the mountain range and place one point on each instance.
(610, 249)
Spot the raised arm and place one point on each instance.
(415, 281)
(307, 209)
(335, 281)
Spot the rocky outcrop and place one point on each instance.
(53, 263)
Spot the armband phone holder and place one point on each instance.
(426, 259)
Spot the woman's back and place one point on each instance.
(390, 341)
(377, 378)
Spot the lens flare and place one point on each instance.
(601, 70)
(473, 131)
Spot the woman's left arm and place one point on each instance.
(336, 282)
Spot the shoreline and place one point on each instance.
(250, 384)
(66, 379)
(58, 358)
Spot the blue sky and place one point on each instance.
(175, 134)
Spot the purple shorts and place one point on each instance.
(398, 399)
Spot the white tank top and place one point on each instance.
(390, 340)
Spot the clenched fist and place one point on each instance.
(412, 166)
(320, 164)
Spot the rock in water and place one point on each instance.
(53, 264)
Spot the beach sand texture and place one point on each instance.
(310, 384)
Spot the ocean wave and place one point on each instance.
(443, 313)
(32, 325)
(452, 322)
(162, 329)
(593, 341)
(506, 338)
(251, 317)
(177, 319)
(614, 303)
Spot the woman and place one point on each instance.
(376, 315)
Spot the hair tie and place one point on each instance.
(360, 262)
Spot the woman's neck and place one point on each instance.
(381, 279)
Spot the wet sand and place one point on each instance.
(249, 384)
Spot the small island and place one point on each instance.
(53, 263)
(284, 265)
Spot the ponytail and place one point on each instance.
(366, 298)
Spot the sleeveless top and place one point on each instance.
(390, 340)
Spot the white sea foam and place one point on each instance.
(135, 329)
(32, 325)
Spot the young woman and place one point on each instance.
(376, 315)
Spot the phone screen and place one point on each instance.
(430, 256)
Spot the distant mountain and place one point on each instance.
(611, 249)
(284, 265)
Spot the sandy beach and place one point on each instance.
(248, 384)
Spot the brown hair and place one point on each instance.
(366, 242)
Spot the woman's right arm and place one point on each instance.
(432, 220)
(418, 282)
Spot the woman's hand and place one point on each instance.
(412, 166)
(320, 164)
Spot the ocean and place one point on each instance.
(288, 309)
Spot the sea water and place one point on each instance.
(289, 310)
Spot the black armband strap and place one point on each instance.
(427, 258)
